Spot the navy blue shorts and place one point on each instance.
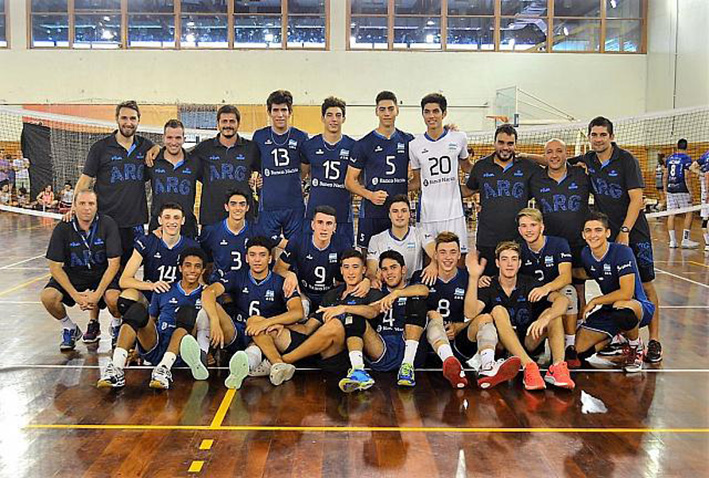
(370, 226)
(602, 319)
(241, 340)
(287, 221)
(644, 257)
(155, 354)
(82, 286)
(392, 356)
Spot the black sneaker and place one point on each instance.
(571, 357)
(653, 353)
(93, 332)
(612, 350)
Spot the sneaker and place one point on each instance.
(161, 378)
(93, 332)
(532, 378)
(69, 338)
(498, 371)
(706, 248)
(673, 245)
(357, 379)
(689, 244)
(633, 359)
(558, 375)
(571, 357)
(115, 330)
(406, 377)
(653, 354)
(281, 372)
(194, 357)
(475, 362)
(454, 373)
(615, 347)
(238, 370)
(262, 370)
(112, 377)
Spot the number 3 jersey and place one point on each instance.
(160, 263)
(438, 163)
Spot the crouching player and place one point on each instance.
(164, 330)
(624, 307)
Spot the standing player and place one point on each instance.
(328, 155)
(174, 177)
(624, 307)
(703, 163)
(163, 330)
(436, 157)
(383, 156)
(117, 164)
(281, 206)
(679, 194)
(84, 257)
(502, 179)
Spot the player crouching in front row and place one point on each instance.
(164, 330)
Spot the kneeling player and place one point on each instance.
(624, 307)
(163, 330)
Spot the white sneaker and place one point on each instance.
(673, 245)
(194, 357)
(281, 372)
(238, 370)
(475, 362)
(689, 244)
(262, 370)
(161, 378)
(499, 371)
(706, 248)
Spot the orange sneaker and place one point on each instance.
(498, 372)
(558, 375)
(532, 378)
(454, 373)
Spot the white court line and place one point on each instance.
(21, 262)
(24, 268)
(682, 278)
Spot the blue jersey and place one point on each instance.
(703, 162)
(385, 167)
(544, 265)
(226, 249)
(522, 311)
(616, 263)
(328, 168)
(164, 306)
(318, 270)
(393, 321)
(160, 263)
(280, 167)
(251, 297)
(447, 297)
(677, 164)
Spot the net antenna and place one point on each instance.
(527, 109)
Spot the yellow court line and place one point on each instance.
(206, 444)
(223, 408)
(334, 429)
(196, 466)
(24, 284)
(699, 264)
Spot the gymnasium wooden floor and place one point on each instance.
(54, 422)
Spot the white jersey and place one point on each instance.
(438, 165)
(411, 247)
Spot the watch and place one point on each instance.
(625, 229)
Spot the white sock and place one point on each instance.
(444, 351)
(67, 323)
(634, 343)
(168, 360)
(486, 356)
(356, 359)
(673, 235)
(410, 351)
(116, 321)
(685, 235)
(255, 356)
(569, 340)
(706, 238)
(119, 358)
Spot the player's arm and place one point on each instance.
(559, 304)
(634, 208)
(209, 301)
(294, 313)
(128, 279)
(472, 305)
(536, 158)
(387, 302)
(368, 311)
(626, 291)
(353, 185)
(114, 264)
(562, 280)
(282, 268)
(58, 273)
(415, 183)
(304, 171)
(84, 182)
(307, 328)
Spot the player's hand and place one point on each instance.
(290, 283)
(536, 330)
(452, 330)
(387, 302)
(429, 274)
(475, 266)
(151, 155)
(378, 198)
(277, 328)
(93, 297)
(329, 313)
(622, 238)
(161, 287)
(69, 215)
(158, 232)
(590, 305)
(256, 325)
(451, 127)
(82, 300)
(362, 288)
(255, 181)
(216, 335)
(484, 281)
(538, 293)
(376, 282)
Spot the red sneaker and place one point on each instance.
(498, 372)
(558, 375)
(571, 357)
(532, 377)
(454, 373)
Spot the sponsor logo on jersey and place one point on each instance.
(315, 182)
(240, 157)
(98, 241)
(172, 301)
(157, 255)
(187, 171)
(613, 173)
(116, 158)
(223, 242)
(160, 170)
(518, 173)
(573, 186)
(488, 175)
(549, 261)
(292, 144)
(400, 147)
(268, 142)
(624, 266)
(545, 190)
(320, 152)
(459, 293)
(266, 172)
(215, 157)
(344, 154)
(309, 257)
(333, 257)
(606, 268)
(424, 151)
(74, 244)
(270, 295)
(378, 149)
(528, 262)
(375, 181)
(245, 290)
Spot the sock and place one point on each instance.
(119, 358)
(444, 351)
(255, 356)
(706, 238)
(486, 356)
(410, 351)
(356, 359)
(685, 235)
(569, 340)
(168, 360)
(634, 343)
(116, 321)
(67, 323)
(673, 235)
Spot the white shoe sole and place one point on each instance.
(281, 372)
(192, 355)
(238, 370)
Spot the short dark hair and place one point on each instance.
(68, 183)
(398, 198)
(325, 209)
(350, 253)
(174, 123)
(333, 102)
(446, 237)
(22, 190)
(436, 98)
(598, 216)
(601, 121)
(280, 97)
(386, 95)
(130, 104)
(393, 255)
(229, 110)
(506, 129)
(237, 192)
(171, 205)
(682, 144)
(259, 241)
(193, 251)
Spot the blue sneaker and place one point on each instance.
(406, 376)
(69, 338)
(115, 330)
(357, 379)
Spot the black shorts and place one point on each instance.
(463, 347)
(81, 286)
(128, 237)
(338, 363)
(488, 252)
(296, 340)
(645, 260)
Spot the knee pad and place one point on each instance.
(355, 326)
(416, 312)
(625, 319)
(570, 293)
(124, 304)
(136, 316)
(487, 336)
(436, 332)
(185, 317)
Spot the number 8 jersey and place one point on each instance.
(438, 162)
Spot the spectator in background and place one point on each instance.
(23, 198)
(4, 171)
(6, 195)
(21, 166)
(46, 199)
(660, 179)
(66, 198)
